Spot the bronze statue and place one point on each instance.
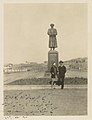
(52, 32)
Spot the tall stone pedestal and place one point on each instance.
(52, 57)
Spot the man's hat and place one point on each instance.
(61, 61)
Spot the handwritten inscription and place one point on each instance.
(28, 103)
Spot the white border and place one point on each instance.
(89, 116)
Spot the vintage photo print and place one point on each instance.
(45, 60)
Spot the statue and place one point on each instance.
(52, 32)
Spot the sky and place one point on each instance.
(26, 26)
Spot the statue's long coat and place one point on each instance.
(52, 38)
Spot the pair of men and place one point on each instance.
(58, 74)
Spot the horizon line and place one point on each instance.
(43, 61)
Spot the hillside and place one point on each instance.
(76, 68)
(77, 64)
(73, 64)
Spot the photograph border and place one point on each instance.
(89, 102)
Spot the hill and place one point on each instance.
(77, 64)
(73, 64)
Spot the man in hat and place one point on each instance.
(53, 72)
(61, 76)
(52, 32)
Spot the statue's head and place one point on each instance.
(52, 25)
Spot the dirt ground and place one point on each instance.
(46, 102)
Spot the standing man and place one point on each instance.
(53, 72)
(61, 76)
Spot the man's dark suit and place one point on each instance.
(61, 76)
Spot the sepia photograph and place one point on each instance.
(45, 59)
(45, 66)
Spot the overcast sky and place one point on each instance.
(26, 25)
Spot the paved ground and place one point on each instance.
(48, 102)
(22, 75)
(33, 87)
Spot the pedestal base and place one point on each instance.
(52, 58)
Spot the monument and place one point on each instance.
(52, 53)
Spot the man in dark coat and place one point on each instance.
(61, 76)
(53, 72)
